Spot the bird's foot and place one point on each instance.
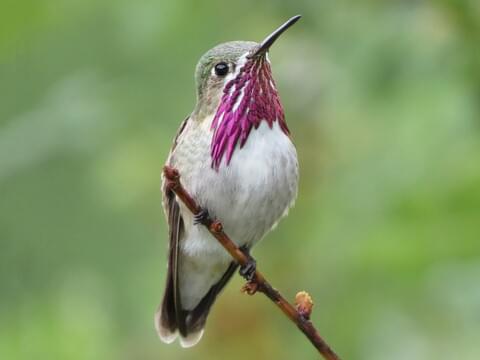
(247, 271)
(202, 217)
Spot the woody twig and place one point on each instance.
(300, 315)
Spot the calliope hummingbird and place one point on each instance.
(236, 159)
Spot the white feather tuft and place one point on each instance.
(191, 339)
(163, 333)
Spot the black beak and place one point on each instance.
(270, 39)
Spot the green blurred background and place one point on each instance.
(383, 100)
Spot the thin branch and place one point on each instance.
(299, 316)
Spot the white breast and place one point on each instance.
(249, 195)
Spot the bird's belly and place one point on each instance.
(249, 195)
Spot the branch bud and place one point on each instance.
(304, 304)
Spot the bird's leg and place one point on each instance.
(202, 217)
(247, 271)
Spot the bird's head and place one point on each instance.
(235, 85)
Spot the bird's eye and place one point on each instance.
(221, 69)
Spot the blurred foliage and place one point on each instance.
(383, 99)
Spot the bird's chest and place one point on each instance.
(253, 191)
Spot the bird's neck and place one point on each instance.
(247, 100)
(207, 103)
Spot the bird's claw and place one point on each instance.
(202, 217)
(247, 271)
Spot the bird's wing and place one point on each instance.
(168, 316)
(171, 315)
(172, 149)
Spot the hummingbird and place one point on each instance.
(237, 160)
